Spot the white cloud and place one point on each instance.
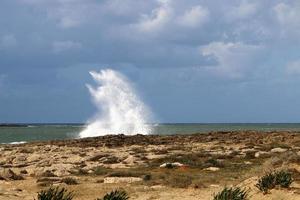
(60, 46)
(194, 17)
(242, 11)
(288, 17)
(233, 59)
(157, 19)
(293, 68)
(8, 41)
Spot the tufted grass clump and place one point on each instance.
(266, 182)
(233, 193)
(116, 195)
(55, 194)
(283, 178)
(270, 180)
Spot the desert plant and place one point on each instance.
(280, 178)
(116, 195)
(283, 178)
(266, 182)
(55, 194)
(233, 193)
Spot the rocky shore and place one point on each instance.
(151, 167)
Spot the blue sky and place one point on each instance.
(191, 61)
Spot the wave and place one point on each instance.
(20, 142)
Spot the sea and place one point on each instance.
(22, 133)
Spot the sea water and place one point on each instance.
(44, 132)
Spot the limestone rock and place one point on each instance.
(122, 179)
(278, 150)
(170, 165)
(261, 154)
(8, 174)
(213, 169)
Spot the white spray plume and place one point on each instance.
(120, 110)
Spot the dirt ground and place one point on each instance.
(203, 164)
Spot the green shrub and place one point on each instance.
(55, 194)
(266, 182)
(116, 195)
(233, 193)
(283, 179)
(270, 180)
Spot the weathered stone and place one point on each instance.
(170, 165)
(122, 179)
(262, 154)
(278, 150)
(213, 169)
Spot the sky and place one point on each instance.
(193, 61)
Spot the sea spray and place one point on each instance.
(120, 110)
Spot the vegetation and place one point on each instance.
(266, 182)
(270, 180)
(233, 193)
(116, 195)
(283, 179)
(69, 181)
(55, 194)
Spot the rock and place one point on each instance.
(157, 187)
(24, 171)
(8, 174)
(250, 154)
(171, 165)
(278, 150)
(213, 169)
(122, 179)
(261, 154)
(34, 158)
(214, 185)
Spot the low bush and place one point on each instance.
(233, 193)
(266, 182)
(116, 195)
(55, 194)
(280, 178)
(283, 179)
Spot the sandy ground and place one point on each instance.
(206, 163)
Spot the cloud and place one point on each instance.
(61, 46)
(157, 19)
(233, 59)
(8, 41)
(288, 17)
(194, 17)
(242, 11)
(67, 13)
(293, 68)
